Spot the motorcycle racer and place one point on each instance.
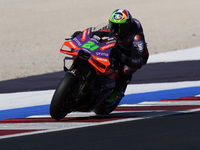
(131, 46)
(131, 43)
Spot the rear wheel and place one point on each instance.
(106, 108)
(60, 104)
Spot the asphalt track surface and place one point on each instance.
(177, 132)
(151, 73)
(174, 132)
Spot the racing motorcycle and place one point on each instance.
(90, 79)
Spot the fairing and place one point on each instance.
(95, 42)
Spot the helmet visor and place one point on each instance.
(119, 28)
(114, 27)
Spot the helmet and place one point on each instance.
(120, 22)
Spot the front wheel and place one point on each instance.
(60, 104)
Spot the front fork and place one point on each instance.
(64, 62)
(84, 74)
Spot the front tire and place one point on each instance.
(60, 106)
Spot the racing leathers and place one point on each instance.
(133, 55)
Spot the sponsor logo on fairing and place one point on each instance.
(107, 46)
(77, 41)
(101, 54)
(113, 41)
(84, 34)
(72, 44)
(95, 40)
(102, 59)
(86, 50)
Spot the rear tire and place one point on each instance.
(106, 108)
(60, 106)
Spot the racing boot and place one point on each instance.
(112, 97)
(119, 90)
